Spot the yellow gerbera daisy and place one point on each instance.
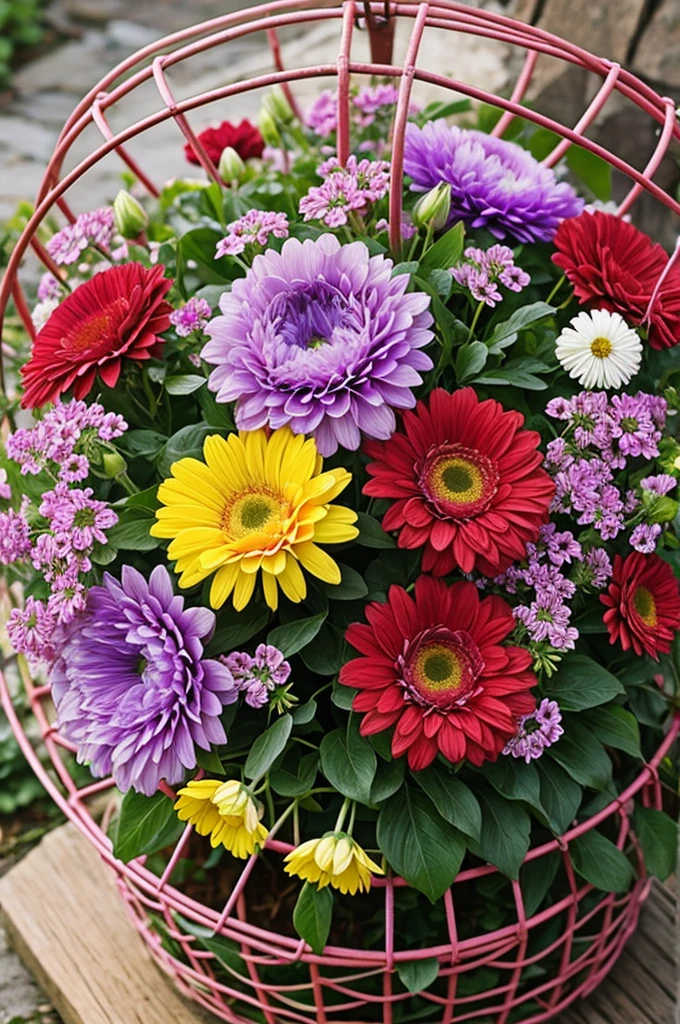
(335, 860)
(257, 503)
(226, 811)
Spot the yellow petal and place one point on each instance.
(271, 591)
(316, 561)
(243, 591)
(274, 563)
(255, 443)
(292, 581)
(223, 584)
(227, 462)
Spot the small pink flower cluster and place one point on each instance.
(192, 316)
(57, 537)
(96, 227)
(536, 732)
(600, 436)
(345, 189)
(253, 228)
(371, 100)
(484, 270)
(257, 676)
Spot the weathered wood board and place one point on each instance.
(68, 923)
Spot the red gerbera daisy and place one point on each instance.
(614, 266)
(643, 603)
(436, 669)
(117, 314)
(245, 138)
(467, 480)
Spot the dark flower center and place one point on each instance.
(439, 668)
(253, 511)
(458, 482)
(84, 517)
(629, 424)
(645, 606)
(96, 330)
(311, 316)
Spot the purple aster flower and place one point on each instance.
(192, 316)
(31, 629)
(253, 228)
(49, 287)
(371, 98)
(15, 534)
(600, 566)
(536, 731)
(131, 686)
(547, 618)
(494, 184)
(96, 227)
(644, 537)
(258, 676)
(5, 488)
(660, 485)
(74, 469)
(320, 337)
(76, 518)
(322, 116)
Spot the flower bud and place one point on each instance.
(268, 129)
(113, 464)
(434, 207)
(129, 215)
(276, 104)
(231, 167)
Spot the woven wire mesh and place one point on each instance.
(585, 930)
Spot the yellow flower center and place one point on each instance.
(601, 348)
(645, 606)
(439, 668)
(252, 512)
(460, 482)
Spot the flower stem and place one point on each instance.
(555, 290)
(342, 815)
(478, 313)
(350, 827)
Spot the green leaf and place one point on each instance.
(389, 777)
(581, 683)
(132, 534)
(371, 533)
(342, 696)
(658, 835)
(145, 825)
(291, 637)
(349, 762)
(267, 747)
(582, 755)
(210, 761)
(615, 727)
(520, 319)
(312, 916)
(419, 844)
(592, 170)
(590, 623)
(226, 951)
(294, 775)
(600, 862)
(517, 377)
(327, 652)
(184, 383)
(470, 360)
(304, 713)
(417, 975)
(236, 628)
(560, 795)
(515, 780)
(447, 250)
(351, 587)
(141, 444)
(186, 443)
(504, 838)
(536, 878)
(455, 802)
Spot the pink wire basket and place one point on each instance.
(588, 929)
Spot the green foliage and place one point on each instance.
(312, 916)
(144, 825)
(600, 862)
(417, 975)
(21, 26)
(658, 836)
(348, 761)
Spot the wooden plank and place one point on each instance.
(660, 965)
(68, 923)
(581, 1013)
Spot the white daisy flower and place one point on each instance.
(600, 350)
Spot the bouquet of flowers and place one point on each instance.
(355, 552)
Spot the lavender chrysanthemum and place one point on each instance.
(494, 184)
(131, 687)
(322, 338)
